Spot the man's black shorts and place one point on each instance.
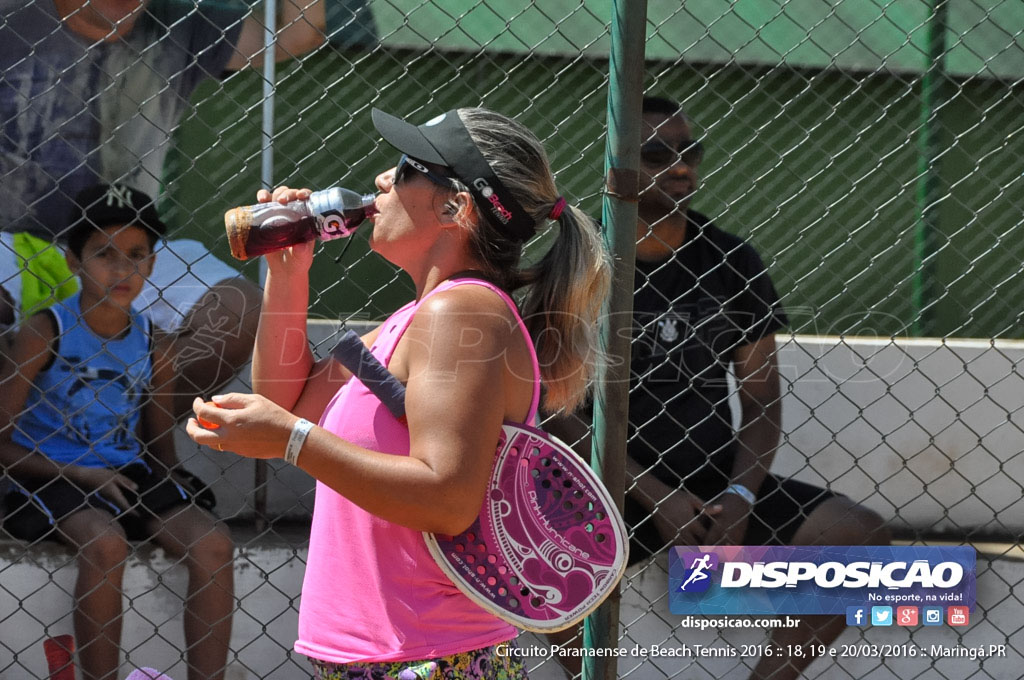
(33, 507)
(782, 506)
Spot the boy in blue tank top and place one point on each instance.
(88, 440)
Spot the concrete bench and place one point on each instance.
(35, 602)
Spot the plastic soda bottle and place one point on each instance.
(255, 230)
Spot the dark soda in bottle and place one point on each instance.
(255, 230)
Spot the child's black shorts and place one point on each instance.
(33, 507)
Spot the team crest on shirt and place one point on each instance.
(679, 342)
(668, 330)
(663, 339)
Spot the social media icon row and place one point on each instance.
(906, 616)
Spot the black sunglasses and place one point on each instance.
(658, 153)
(406, 164)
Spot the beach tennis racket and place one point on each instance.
(147, 674)
(549, 544)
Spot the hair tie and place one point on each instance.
(557, 208)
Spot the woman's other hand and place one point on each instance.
(247, 424)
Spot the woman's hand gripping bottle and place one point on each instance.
(255, 230)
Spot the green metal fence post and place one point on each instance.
(929, 184)
(622, 157)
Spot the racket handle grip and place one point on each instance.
(351, 353)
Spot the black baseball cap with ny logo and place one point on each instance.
(104, 205)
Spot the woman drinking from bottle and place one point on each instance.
(470, 189)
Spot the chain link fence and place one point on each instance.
(870, 153)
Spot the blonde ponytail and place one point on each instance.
(566, 289)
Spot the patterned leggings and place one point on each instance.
(499, 662)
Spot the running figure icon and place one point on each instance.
(698, 570)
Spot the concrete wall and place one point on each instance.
(289, 491)
(928, 433)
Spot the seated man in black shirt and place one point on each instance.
(705, 307)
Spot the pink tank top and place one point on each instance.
(372, 592)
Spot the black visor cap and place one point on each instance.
(445, 141)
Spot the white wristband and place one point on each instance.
(743, 492)
(300, 430)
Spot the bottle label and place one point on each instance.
(336, 224)
(273, 215)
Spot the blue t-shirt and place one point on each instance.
(74, 112)
(85, 407)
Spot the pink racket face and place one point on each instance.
(549, 544)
